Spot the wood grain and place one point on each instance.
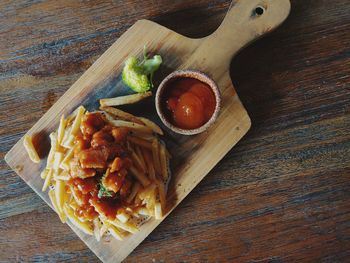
(282, 194)
(191, 161)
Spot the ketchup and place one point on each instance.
(189, 103)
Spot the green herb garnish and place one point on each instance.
(103, 192)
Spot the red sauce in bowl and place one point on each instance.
(188, 103)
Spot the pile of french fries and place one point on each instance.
(150, 167)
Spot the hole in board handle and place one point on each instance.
(258, 11)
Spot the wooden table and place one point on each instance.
(282, 194)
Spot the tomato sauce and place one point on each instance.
(114, 181)
(91, 123)
(189, 103)
(85, 186)
(90, 204)
(86, 211)
(107, 206)
(99, 147)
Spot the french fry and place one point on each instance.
(115, 232)
(43, 174)
(137, 200)
(28, 145)
(163, 162)
(141, 142)
(123, 217)
(135, 158)
(155, 155)
(68, 141)
(134, 190)
(72, 116)
(122, 115)
(65, 135)
(52, 197)
(162, 194)
(75, 197)
(57, 160)
(73, 205)
(61, 129)
(150, 210)
(60, 194)
(143, 211)
(61, 177)
(149, 163)
(142, 135)
(103, 230)
(129, 227)
(129, 210)
(83, 226)
(158, 211)
(146, 193)
(140, 156)
(122, 100)
(77, 121)
(151, 200)
(131, 125)
(140, 176)
(47, 179)
(50, 157)
(97, 228)
(150, 124)
(69, 155)
(108, 117)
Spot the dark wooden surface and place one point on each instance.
(281, 195)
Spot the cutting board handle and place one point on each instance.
(245, 21)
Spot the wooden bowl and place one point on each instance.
(187, 74)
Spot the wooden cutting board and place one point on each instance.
(193, 156)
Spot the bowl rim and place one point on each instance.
(188, 73)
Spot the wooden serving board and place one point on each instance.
(193, 156)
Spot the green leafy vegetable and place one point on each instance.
(139, 75)
(103, 192)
